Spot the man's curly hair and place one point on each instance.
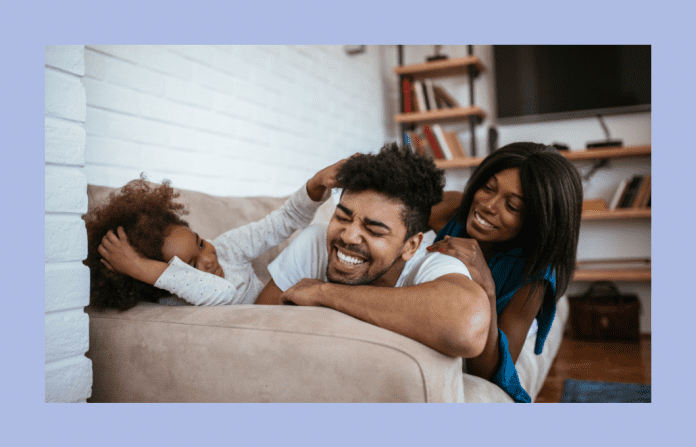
(400, 174)
(146, 213)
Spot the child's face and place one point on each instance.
(191, 249)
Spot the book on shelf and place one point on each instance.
(422, 146)
(407, 94)
(420, 94)
(643, 194)
(631, 191)
(430, 94)
(416, 145)
(442, 141)
(455, 145)
(616, 199)
(433, 143)
(417, 107)
(445, 97)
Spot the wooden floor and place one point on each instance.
(597, 361)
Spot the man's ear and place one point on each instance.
(411, 246)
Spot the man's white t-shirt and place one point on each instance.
(307, 257)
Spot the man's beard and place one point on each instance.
(364, 280)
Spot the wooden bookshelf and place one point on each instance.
(453, 114)
(468, 162)
(469, 67)
(578, 155)
(441, 68)
(635, 274)
(597, 154)
(620, 213)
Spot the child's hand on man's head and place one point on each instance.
(324, 180)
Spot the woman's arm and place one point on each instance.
(441, 213)
(517, 317)
(515, 320)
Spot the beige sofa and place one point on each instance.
(248, 353)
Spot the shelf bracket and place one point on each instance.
(598, 165)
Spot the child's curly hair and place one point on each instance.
(146, 213)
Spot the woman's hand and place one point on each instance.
(324, 180)
(469, 252)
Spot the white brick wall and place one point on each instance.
(68, 373)
(228, 120)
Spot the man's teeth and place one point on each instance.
(482, 222)
(345, 259)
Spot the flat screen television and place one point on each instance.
(551, 82)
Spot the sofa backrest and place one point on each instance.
(210, 216)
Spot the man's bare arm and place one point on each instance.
(270, 294)
(450, 314)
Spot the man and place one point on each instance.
(371, 263)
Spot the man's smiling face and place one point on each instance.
(365, 240)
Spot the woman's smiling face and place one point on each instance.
(496, 211)
(191, 249)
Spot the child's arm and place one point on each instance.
(246, 243)
(119, 256)
(195, 286)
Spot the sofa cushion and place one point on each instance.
(249, 353)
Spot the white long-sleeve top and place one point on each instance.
(235, 250)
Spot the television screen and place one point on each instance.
(546, 82)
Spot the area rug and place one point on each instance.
(601, 392)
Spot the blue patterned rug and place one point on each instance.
(601, 392)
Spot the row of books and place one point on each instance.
(435, 142)
(422, 96)
(632, 193)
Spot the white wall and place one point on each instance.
(598, 239)
(228, 120)
(68, 373)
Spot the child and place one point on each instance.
(139, 248)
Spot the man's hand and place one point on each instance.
(324, 180)
(469, 252)
(307, 292)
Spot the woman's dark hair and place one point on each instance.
(552, 206)
(146, 213)
(400, 174)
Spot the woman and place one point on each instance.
(516, 227)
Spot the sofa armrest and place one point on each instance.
(249, 353)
